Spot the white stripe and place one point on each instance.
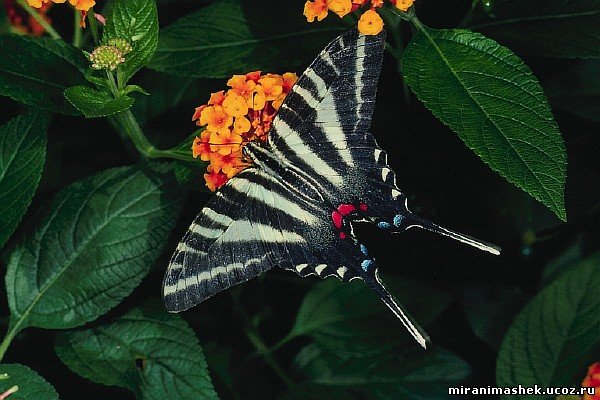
(278, 202)
(332, 126)
(248, 231)
(297, 145)
(300, 267)
(358, 78)
(183, 284)
(319, 268)
(216, 217)
(384, 173)
(182, 246)
(206, 232)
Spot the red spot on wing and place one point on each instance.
(342, 235)
(337, 218)
(346, 209)
(363, 207)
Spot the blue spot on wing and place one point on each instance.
(384, 225)
(398, 220)
(364, 250)
(366, 265)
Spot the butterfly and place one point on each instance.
(296, 206)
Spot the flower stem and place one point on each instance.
(91, 16)
(76, 28)
(40, 20)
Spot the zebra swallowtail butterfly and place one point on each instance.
(318, 173)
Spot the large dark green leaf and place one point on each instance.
(350, 320)
(237, 36)
(97, 241)
(31, 385)
(546, 28)
(36, 71)
(94, 103)
(556, 335)
(424, 375)
(23, 144)
(490, 98)
(148, 351)
(137, 22)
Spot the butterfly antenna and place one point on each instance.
(409, 220)
(415, 330)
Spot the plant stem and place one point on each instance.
(76, 28)
(40, 20)
(265, 352)
(10, 335)
(470, 14)
(91, 16)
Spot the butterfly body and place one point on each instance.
(319, 172)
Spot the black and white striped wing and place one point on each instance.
(244, 230)
(322, 126)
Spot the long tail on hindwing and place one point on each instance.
(406, 220)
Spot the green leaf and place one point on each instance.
(94, 103)
(555, 336)
(148, 351)
(339, 316)
(137, 22)
(31, 385)
(424, 375)
(490, 98)
(23, 144)
(190, 173)
(166, 92)
(238, 36)
(36, 71)
(92, 247)
(546, 28)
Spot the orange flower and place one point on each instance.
(370, 23)
(270, 87)
(235, 105)
(81, 5)
(241, 86)
(317, 9)
(241, 125)
(404, 5)
(232, 119)
(230, 164)
(592, 380)
(225, 141)
(214, 180)
(201, 146)
(289, 80)
(215, 118)
(217, 98)
(341, 7)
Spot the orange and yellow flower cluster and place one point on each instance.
(24, 22)
(592, 380)
(370, 23)
(242, 114)
(81, 5)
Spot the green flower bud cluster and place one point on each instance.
(107, 57)
(121, 44)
